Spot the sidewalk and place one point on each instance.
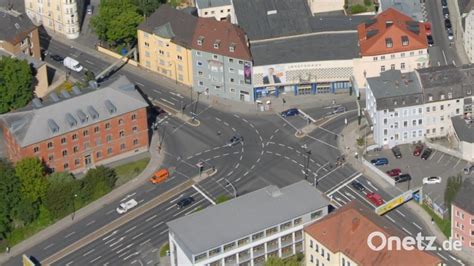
(347, 143)
(155, 161)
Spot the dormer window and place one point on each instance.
(405, 40)
(232, 47)
(430, 98)
(200, 40)
(442, 96)
(450, 95)
(389, 42)
(217, 44)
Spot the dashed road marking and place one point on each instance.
(226, 124)
(170, 102)
(258, 160)
(150, 218)
(218, 119)
(137, 236)
(158, 224)
(92, 261)
(419, 227)
(408, 232)
(399, 212)
(70, 234)
(89, 223)
(390, 218)
(237, 165)
(246, 173)
(251, 125)
(48, 246)
(88, 252)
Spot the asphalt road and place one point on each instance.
(269, 154)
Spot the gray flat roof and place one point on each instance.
(245, 215)
(441, 80)
(408, 7)
(336, 46)
(212, 3)
(464, 128)
(393, 89)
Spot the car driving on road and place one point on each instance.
(236, 139)
(379, 161)
(430, 40)
(426, 154)
(375, 198)
(432, 180)
(357, 185)
(290, 112)
(56, 57)
(125, 206)
(402, 178)
(184, 202)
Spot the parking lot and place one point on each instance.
(437, 164)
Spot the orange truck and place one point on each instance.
(160, 176)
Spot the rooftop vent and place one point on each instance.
(37, 103)
(200, 40)
(271, 12)
(76, 90)
(53, 126)
(54, 97)
(65, 94)
(71, 121)
(217, 43)
(110, 107)
(92, 112)
(82, 116)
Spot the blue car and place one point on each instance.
(290, 112)
(379, 161)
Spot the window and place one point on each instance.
(420, 122)
(402, 54)
(413, 122)
(405, 123)
(428, 109)
(392, 56)
(77, 162)
(122, 133)
(180, 58)
(257, 236)
(412, 54)
(135, 142)
(389, 42)
(85, 133)
(385, 121)
(382, 57)
(134, 129)
(231, 70)
(36, 149)
(271, 231)
(316, 215)
(96, 129)
(441, 118)
(382, 68)
(402, 65)
(66, 166)
(311, 243)
(311, 259)
(442, 107)
(199, 63)
(392, 66)
(107, 125)
(297, 221)
(405, 40)
(64, 153)
(328, 256)
(285, 226)
(122, 146)
(375, 58)
(75, 149)
(120, 122)
(98, 154)
(63, 140)
(231, 60)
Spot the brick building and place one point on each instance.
(80, 129)
(462, 216)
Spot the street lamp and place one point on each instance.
(316, 181)
(73, 206)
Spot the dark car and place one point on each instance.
(394, 172)
(402, 178)
(290, 112)
(426, 154)
(357, 185)
(339, 109)
(447, 23)
(185, 202)
(379, 161)
(236, 139)
(430, 40)
(444, 3)
(445, 12)
(396, 152)
(57, 58)
(418, 150)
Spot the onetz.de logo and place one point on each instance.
(377, 241)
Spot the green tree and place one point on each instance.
(97, 182)
(26, 211)
(61, 194)
(16, 80)
(117, 21)
(452, 187)
(275, 261)
(147, 7)
(31, 173)
(9, 196)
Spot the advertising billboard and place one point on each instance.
(248, 73)
(271, 74)
(393, 203)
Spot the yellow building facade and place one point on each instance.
(317, 254)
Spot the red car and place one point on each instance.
(428, 28)
(394, 172)
(418, 150)
(375, 198)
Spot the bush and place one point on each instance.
(96, 183)
(164, 249)
(222, 198)
(358, 9)
(360, 141)
(367, 2)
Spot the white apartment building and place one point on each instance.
(394, 106)
(218, 9)
(249, 229)
(391, 40)
(59, 16)
(469, 35)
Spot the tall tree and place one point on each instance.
(452, 187)
(31, 173)
(9, 196)
(117, 21)
(16, 80)
(147, 7)
(61, 194)
(97, 182)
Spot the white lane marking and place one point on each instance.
(261, 139)
(370, 184)
(149, 262)
(151, 218)
(157, 91)
(261, 153)
(258, 160)
(276, 130)
(130, 229)
(117, 247)
(220, 179)
(399, 212)
(230, 173)
(137, 236)
(110, 240)
(294, 161)
(146, 241)
(419, 227)
(225, 154)
(291, 148)
(281, 144)
(92, 63)
(408, 232)
(286, 157)
(237, 180)
(131, 255)
(237, 165)
(158, 224)
(217, 156)
(333, 170)
(69, 263)
(48, 246)
(235, 152)
(459, 160)
(323, 142)
(70, 234)
(253, 166)
(444, 56)
(89, 223)
(95, 259)
(441, 157)
(241, 156)
(115, 243)
(390, 218)
(245, 120)
(203, 194)
(128, 196)
(197, 154)
(439, 254)
(263, 145)
(271, 137)
(142, 200)
(122, 249)
(216, 148)
(218, 119)
(301, 165)
(246, 173)
(109, 212)
(226, 124)
(174, 99)
(454, 63)
(233, 129)
(339, 186)
(170, 102)
(237, 116)
(269, 152)
(88, 252)
(141, 84)
(350, 195)
(164, 231)
(176, 199)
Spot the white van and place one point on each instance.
(72, 64)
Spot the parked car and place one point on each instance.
(450, 34)
(236, 139)
(418, 150)
(290, 112)
(357, 185)
(125, 206)
(426, 154)
(379, 161)
(375, 198)
(56, 57)
(402, 178)
(396, 152)
(184, 202)
(430, 40)
(469, 170)
(428, 28)
(72, 64)
(432, 180)
(447, 23)
(444, 3)
(445, 12)
(394, 172)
